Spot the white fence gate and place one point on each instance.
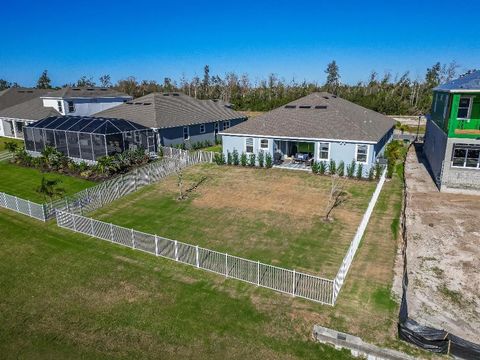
(22, 206)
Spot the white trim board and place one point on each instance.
(301, 138)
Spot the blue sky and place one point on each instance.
(295, 39)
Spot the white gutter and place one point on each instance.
(299, 138)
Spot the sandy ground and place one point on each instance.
(443, 254)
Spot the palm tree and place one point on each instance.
(11, 146)
(50, 156)
(48, 188)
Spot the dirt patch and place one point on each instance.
(443, 254)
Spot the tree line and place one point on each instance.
(387, 94)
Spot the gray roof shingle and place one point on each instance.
(14, 96)
(318, 116)
(29, 110)
(467, 82)
(166, 110)
(86, 92)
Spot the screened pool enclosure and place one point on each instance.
(88, 138)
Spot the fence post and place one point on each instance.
(176, 250)
(156, 245)
(91, 226)
(133, 239)
(73, 220)
(29, 208)
(226, 265)
(293, 287)
(16, 202)
(111, 232)
(196, 256)
(258, 273)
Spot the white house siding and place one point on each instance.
(9, 127)
(83, 107)
(339, 151)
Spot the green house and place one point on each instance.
(452, 139)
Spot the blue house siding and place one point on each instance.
(339, 150)
(174, 136)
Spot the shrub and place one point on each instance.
(243, 159)
(229, 158)
(371, 173)
(235, 157)
(11, 146)
(378, 170)
(219, 158)
(315, 165)
(251, 160)
(390, 167)
(351, 169)
(322, 167)
(268, 160)
(341, 168)
(332, 167)
(359, 171)
(261, 159)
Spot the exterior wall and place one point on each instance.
(84, 107)
(459, 178)
(439, 112)
(339, 151)
(6, 128)
(174, 136)
(465, 128)
(13, 128)
(434, 149)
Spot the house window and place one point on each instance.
(215, 126)
(71, 107)
(226, 124)
(249, 145)
(467, 156)
(186, 133)
(264, 144)
(464, 108)
(60, 106)
(202, 128)
(361, 153)
(324, 151)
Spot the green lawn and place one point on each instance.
(274, 216)
(23, 181)
(3, 140)
(69, 296)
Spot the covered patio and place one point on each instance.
(293, 154)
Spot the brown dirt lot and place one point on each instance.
(443, 253)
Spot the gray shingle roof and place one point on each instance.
(29, 110)
(166, 110)
(467, 82)
(14, 96)
(318, 116)
(86, 92)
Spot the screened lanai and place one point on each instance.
(88, 138)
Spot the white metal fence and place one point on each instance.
(347, 260)
(25, 207)
(96, 197)
(254, 272)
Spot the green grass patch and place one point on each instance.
(383, 299)
(70, 296)
(3, 140)
(24, 182)
(214, 148)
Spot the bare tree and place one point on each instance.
(337, 195)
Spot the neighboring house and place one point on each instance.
(14, 118)
(84, 101)
(320, 127)
(84, 138)
(9, 126)
(178, 118)
(452, 138)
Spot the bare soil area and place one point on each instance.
(443, 254)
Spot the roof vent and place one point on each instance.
(147, 103)
(76, 89)
(334, 96)
(129, 103)
(103, 89)
(321, 107)
(90, 89)
(176, 94)
(290, 106)
(304, 107)
(326, 97)
(166, 94)
(138, 103)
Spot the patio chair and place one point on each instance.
(277, 158)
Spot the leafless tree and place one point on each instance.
(337, 195)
